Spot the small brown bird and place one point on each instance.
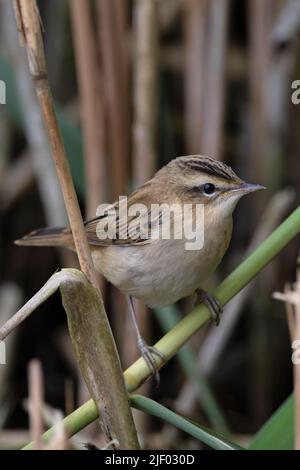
(157, 270)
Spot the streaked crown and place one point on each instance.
(202, 179)
(207, 166)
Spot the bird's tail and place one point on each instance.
(53, 236)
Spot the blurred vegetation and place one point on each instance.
(222, 86)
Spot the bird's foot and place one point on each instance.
(211, 303)
(149, 353)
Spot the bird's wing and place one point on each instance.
(124, 223)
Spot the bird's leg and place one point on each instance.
(211, 303)
(147, 352)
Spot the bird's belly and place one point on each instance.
(159, 273)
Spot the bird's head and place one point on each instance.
(200, 179)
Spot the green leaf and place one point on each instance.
(71, 134)
(210, 438)
(278, 432)
(168, 317)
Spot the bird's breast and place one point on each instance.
(163, 271)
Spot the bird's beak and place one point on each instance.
(246, 188)
(250, 188)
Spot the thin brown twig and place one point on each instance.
(121, 10)
(36, 397)
(10, 300)
(259, 42)
(290, 314)
(195, 18)
(28, 22)
(93, 115)
(52, 417)
(113, 68)
(69, 396)
(297, 366)
(205, 43)
(145, 85)
(291, 297)
(214, 71)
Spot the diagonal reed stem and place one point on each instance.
(138, 372)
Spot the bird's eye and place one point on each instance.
(208, 189)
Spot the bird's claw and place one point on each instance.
(211, 303)
(149, 353)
